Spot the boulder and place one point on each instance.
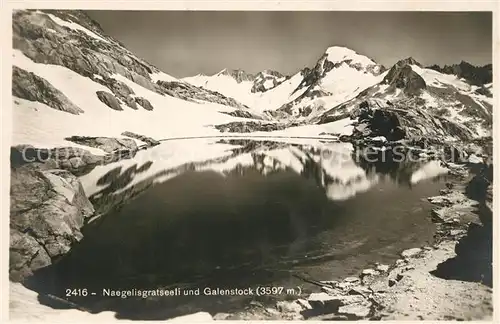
(109, 100)
(29, 86)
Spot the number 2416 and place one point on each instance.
(76, 292)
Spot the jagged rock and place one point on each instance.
(109, 100)
(148, 140)
(29, 86)
(144, 103)
(47, 210)
(107, 144)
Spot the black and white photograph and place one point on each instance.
(202, 165)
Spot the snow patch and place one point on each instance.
(75, 26)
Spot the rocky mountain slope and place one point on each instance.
(476, 75)
(447, 105)
(69, 77)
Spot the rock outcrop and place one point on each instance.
(29, 86)
(47, 210)
(109, 100)
(144, 103)
(107, 144)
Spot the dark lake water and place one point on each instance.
(237, 214)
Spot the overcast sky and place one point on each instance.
(185, 43)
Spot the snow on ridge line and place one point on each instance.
(339, 53)
(73, 26)
(431, 77)
(162, 76)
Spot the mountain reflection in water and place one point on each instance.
(238, 213)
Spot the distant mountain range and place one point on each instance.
(476, 75)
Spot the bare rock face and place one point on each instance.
(47, 211)
(29, 86)
(109, 100)
(403, 77)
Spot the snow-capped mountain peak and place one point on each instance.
(338, 54)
